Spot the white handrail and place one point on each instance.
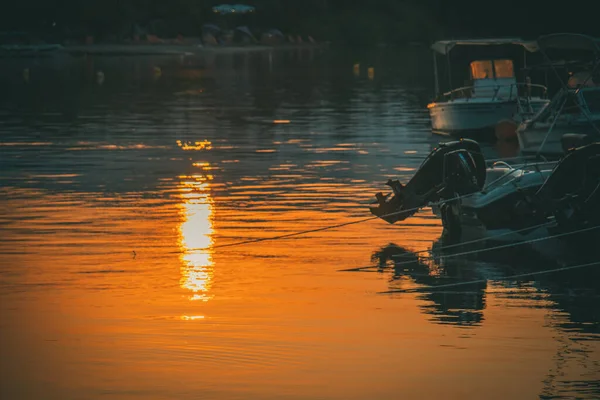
(497, 89)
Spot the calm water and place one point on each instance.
(121, 192)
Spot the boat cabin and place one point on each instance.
(492, 67)
(493, 78)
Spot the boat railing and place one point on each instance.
(524, 105)
(571, 104)
(524, 91)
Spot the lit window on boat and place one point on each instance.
(504, 68)
(481, 69)
(492, 69)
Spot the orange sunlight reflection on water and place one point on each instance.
(195, 237)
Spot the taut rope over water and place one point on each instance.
(503, 246)
(449, 285)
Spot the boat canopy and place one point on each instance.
(444, 46)
(568, 41)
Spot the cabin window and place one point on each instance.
(482, 70)
(504, 68)
(492, 69)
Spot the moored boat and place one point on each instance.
(492, 94)
(572, 118)
(551, 206)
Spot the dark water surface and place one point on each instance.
(121, 190)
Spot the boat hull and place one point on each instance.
(535, 139)
(461, 116)
(544, 241)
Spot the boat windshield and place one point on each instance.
(482, 69)
(492, 69)
(504, 68)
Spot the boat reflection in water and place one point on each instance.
(570, 296)
(572, 291)
(461, 306)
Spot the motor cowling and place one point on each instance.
(452, 169)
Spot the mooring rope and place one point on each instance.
(288, 235)
(330, 227)
(505, 246)
(443, 248)
(472, 282)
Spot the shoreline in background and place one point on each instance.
(169, 49)
(151, 49)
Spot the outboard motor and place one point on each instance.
(572, 192)
(452, 169)
(573, 189)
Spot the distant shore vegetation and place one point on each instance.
(361, 23)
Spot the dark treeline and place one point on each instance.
(341, 21)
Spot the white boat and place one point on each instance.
(557, 128)
(572, 118)
(493, 94)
